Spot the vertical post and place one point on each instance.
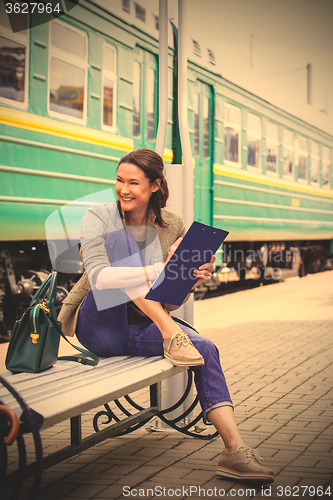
(180, 179)
(251, 49)
(309, 83)
(187, 210)
(163, 78)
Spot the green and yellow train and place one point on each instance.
(80, 91)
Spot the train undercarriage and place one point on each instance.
(25, 265)
(23, 268)
(264, 261)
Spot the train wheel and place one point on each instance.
(301, 270)
(242, 274)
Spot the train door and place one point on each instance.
(145, 71)
(203, 154)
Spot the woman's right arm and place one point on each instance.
(152, 309)
(123, 277)
(95, 228)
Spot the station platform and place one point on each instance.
(276, 348)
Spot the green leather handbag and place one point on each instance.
(35, 338)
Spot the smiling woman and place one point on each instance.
(134, 191)
(142, 168)
(125, 246)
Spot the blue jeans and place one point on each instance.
(107, 332)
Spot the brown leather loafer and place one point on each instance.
(180, 350)
(244, 464)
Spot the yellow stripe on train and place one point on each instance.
(270, 181)
(27, 121)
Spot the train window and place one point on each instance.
(140, 12)
(272, 147)
(315, 159)
(14, 48)
(302, 158)
(288, 153)
(232, 133)
(68, 71)
(196, 48)
(126, 6)
(151, 102)
(109, 85)
(13, 70)
(206, 122)
(326, 167)
(196, 101)
(145, 71)
(136, 98)
(64, 38)
(254, 136)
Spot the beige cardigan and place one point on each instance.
(97, 224)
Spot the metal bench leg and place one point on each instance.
(173, 422)
(76, 431)
(154, 395)
(136, 420)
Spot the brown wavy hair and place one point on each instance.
(152, 165)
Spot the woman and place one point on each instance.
(124, 246)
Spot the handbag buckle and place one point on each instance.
(43, 306)
(34, 337)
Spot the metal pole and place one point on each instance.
(251, 47)
(183, 129)
(180, 179)
(163, 77)
(309, 81)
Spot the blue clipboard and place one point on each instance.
(197, 247)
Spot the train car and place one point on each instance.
(76, 94)
(262, 174)
(81, 90)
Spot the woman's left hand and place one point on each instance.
(204, 272)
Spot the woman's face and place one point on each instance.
(133, 188)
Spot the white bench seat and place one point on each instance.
(69, 389)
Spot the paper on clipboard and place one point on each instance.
(197, 247)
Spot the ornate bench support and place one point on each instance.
(110, 414)
(31, 422)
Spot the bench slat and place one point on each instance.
(38, 386)
(69, 389)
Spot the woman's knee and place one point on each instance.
(204, 345)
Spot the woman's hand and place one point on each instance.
(172, 250)
(204, 273)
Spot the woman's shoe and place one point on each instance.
(244, 465)
(180, 350)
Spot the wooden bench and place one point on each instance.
(69, 389)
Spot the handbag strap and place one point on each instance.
(84, 361)
(52, 296)
(34, 324)
(41, 290)
(49, 283)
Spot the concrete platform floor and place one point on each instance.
(276, 346)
